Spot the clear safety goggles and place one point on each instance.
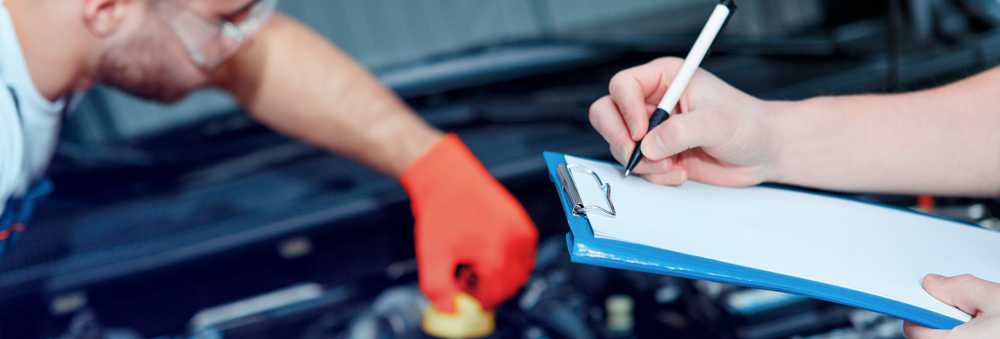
(211, 41)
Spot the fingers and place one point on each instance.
(620, 154)
(628, 93)
(647, 167)
(503, 260)
(914, 331)
(970, 294)
(498, 285)
(622, 119)
(682, 132)
(672, 178)
(635, 88)
(437, 279)
(502, 270)
(607, 120)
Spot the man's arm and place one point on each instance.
(944, 140)
(940, 141)
(297, 82)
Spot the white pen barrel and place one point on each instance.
(693, 60)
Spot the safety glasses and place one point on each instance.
(211, 41)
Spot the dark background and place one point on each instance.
(162, 212)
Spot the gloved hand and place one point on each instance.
(466, 217)
(979, 298)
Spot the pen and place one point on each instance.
(715, 23)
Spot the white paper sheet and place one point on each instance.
(867, 248)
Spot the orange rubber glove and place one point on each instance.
(466, 217)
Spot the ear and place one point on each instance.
(104, 17)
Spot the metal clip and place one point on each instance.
(569, 186)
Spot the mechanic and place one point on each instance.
(292, 80)
(937, 141)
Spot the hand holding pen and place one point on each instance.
(718, 137)
(720, 16)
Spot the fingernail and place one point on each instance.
(935, 276)
(651, 146)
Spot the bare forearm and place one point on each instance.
(939, 141)
(297, 82)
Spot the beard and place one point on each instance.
(144, 66)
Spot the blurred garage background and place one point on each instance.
(193, 221)
(398, 39)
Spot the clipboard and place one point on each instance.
(586, 248)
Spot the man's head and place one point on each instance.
(163, 49)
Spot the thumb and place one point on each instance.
(682, 132)
(437, 281)
(503, 272)
(914, 331)
(966, 292)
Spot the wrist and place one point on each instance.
(446, 162)
(793, 129)
(407, 140)
(777, 127)
(419, 143)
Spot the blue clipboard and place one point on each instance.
(584, 248)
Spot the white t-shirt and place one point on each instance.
(27, 136)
